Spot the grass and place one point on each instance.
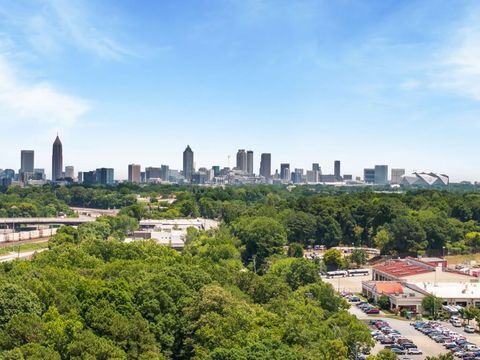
(459, 259)
(23, 247)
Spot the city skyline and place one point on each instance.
(334, 80)
(243, 158)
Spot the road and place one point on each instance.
(22, 255)
(424, 343)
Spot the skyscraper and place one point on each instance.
(57, 160)
(396, 176)
(250, 162)
(165, 172)
(188, 164)
(369, 175)
(69, 172)
(104, 176)
(266, 165)
(381, 174)
(27, 161)
(242, 160)
(285, 172)
(336, 172)
(134, 173)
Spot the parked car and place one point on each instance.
(398, 351)
(414, 351)
(469, 329)
(372, 311)
(456, 323)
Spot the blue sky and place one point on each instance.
(367, 82)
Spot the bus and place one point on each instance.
(358, 272)
(339, 273)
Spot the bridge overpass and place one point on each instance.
(15, 222)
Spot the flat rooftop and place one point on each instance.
(451, 290)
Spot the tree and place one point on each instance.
(406, 235)
(359, 257)
(295, 250)
(432, 305)
(16, 300)
(332, 259)
(300, 226)
(382, 239)
(470, 313)
(262, 237)
(383, 302)
(385, 354)
(302, 272)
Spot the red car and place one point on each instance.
(372, 311)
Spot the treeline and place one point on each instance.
(413, 222)
(93, 297)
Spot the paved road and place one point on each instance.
(69, 221)
(473, 338)
(424, 343)
(23, 255)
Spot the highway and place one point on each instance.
(22, 255)
(34, 221)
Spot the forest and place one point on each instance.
(414, 222)
(239, 292)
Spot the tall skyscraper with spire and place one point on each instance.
(57, 160)
(188, 164)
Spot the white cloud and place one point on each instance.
(460, 63)
(74, 23)
(37, 102)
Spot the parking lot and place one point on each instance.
(424, 343)
(351, 284)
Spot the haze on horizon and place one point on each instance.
(365, 82)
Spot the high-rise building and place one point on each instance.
(165, 172)
(242, 160)
(316, 173)
(216, 170)
(89, 178)
(69, 172)
(27, 161)
(285, 172)
(134, 171)
(396, 176)
(266, 165)
(57, 160)
(188, 164)
(38, 174)
(153, 173)
(336, 172)
(369, 176)
(297, 176)
(104, 176)
(381, 174)
(250, 162)
(80, 177)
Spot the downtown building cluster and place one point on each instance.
(242, 173)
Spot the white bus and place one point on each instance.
(358, 272)
(339, 273)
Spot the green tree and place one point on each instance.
(432, 305)
(262, 237)
(332, 259)
(385, 354)
(295, 250)
(359, 257)
(383, 302)
(16, 300)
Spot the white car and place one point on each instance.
(414, 351)
(469, 329)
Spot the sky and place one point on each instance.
(362, 81)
